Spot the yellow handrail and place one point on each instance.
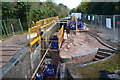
(48, 21)
(36, 29)
(61, 34)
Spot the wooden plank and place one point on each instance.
(40, 63)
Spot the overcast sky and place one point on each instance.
(69, 3)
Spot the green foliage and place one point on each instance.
(84, 7)
(44, 10)
(93, 70)
(7, 10)
(104, 8)
(14, 10)
(32, 11)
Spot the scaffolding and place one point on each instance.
(41, 34)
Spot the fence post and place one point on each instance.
(113, 27)
(20, 24)
(3, 32)
(101, 23)
(91, 19)
(2, 29)
(13, 29)
(5, 28)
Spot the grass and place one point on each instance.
(92, 70)
(86, 24)
(3, 36)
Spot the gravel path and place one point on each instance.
(10, 46)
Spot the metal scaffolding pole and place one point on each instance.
(114, 27)
(5, 28)
(13, 29)
(20, 24)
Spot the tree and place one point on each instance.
(83, 7)
(103, 8)
(32, 11)
(7, 11)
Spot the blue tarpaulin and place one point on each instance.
(73, 25)
(80, 25)
(54, 43)
(50, 70)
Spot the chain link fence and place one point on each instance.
(109, 25)
(10, 27)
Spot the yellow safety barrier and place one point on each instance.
(33, 35)
(35, 31)
(46, 21)
(76, 26)
(75, 19)
(34, 41)
(61, 35)
(46, 25)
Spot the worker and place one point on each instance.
(39, 76)
(49, 72)
(68, 30)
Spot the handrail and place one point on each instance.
(36, 29)
(76, 26)
(61, 34)
(48, 20)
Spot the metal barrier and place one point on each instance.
(46, 21)
(106, 24)
(34, 32)
(10, 27)
(36, 38)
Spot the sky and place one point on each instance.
(69, 3)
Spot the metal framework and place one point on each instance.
(36, 38)
(34, 33)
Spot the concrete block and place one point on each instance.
(85, 57)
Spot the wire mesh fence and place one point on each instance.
(107, 24)
(10, 27)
